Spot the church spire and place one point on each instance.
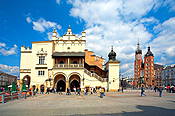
(69, 31)
(138, 51)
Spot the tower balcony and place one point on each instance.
(68, 66)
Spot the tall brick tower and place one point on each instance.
(149, 68)
(137, 65)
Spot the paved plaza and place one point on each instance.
(128, 103)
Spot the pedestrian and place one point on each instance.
(36, 90)
(91, 89)
(68, 91)
(85, 91)
(102, 92)
(142, 91)
(47, 91)
(160, 89)
(74, 89)
(60, 91)
(155, 88)
(78, 91)
(94, 90)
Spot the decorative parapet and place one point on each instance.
(25, 70)
(26, 49)
(69, 66)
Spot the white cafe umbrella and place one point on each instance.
(10, 86)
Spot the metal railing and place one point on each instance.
(5, 97)
(95, 75)
(69, 66)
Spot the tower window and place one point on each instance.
(41, 59)
(41, 73)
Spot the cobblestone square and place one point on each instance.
(128, 103)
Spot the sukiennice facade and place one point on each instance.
(63, 62)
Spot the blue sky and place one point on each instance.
(107, 22)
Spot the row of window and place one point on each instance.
(41, 73)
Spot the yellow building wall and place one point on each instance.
(113, 76)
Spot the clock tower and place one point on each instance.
(137, 65)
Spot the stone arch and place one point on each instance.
(60, 82)
(74, 73)
(26, 79)
(74, 81)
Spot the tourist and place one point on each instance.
(91, 89)
(171, 89)
(155, 88)
(94, 90)
(142, 91)
(78, 91)
(68, 91)
(48, 90)
(74, 90)
(102, 91)
(85, 91)
(160, 89)
(60, 91)
(36, 90)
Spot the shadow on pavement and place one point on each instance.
(146, 111)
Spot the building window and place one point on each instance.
(41, 73)
(41, 59)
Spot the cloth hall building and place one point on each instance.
(63, 62)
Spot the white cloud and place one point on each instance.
(29, 20)
(7, 51)
(42, 25)
(58, 1)
(163, 45)
(149, 20)
(2, 44)
(110, 22)
(9, 69)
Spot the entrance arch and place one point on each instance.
(74, 81)
(60, 83)
(26, 79)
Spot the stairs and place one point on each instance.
(95, 75)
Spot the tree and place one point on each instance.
(24, 86)
(13, 87)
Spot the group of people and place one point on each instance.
(170, 89)
(74, 90)
(159, 89)
(2, 89)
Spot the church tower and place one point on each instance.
(137, 65)
(149, 68)
(113, 72)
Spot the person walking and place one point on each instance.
(78, 91)
(48, 90)
(102, 92)
(142, 91)
(160, 91)
(37, 90)
(155, 88)
(74, 90)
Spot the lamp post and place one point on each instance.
(122, 84)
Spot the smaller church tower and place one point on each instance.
(54, 34)
(137, 65)
(149, 68)
(113, 72)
